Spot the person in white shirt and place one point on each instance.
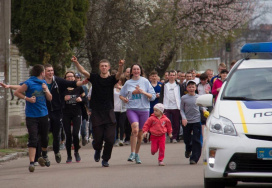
(170, 97)
(196, 79)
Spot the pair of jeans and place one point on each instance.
(191, 135)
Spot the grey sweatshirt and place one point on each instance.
(188, 108)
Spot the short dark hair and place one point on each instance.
(173, 71)
(224, 71)
(203, 76)
(104, 61)
(47, 65)
(153, 73)
(69, 72)
(37, 70)
(191, 83)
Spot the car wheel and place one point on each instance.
(212, 183)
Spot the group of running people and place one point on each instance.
(52, 101)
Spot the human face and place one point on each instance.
(104, 67)
(181, 77)
(49, 72)
(127, 73)
(210, 74)
(193, 75)
(70, 77)
(191, 89)
(220, 68)
(154, 78)
(223, 75)
(203, 82)
(157, 113)
(166, 75)
(188, 77)
(172, 77)
(136, 71)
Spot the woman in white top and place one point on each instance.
(120, 112)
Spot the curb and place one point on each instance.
(13, 156)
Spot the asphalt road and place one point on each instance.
(121, 174)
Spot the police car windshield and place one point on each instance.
(249, 84)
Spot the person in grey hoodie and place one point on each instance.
(137, 94)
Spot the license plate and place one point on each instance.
(264, 153)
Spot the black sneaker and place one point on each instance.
(78, 159)
(58, 157)
(187, 154)
(97, 155)
(44, 161)
(84, 142)
(31, 168)
(105, 163)
(69, 160)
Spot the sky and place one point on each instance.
(267, 18)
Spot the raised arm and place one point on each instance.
(80, 68)
(120, 69)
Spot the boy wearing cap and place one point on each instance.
(191, 121)
(158, 124)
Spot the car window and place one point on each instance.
(250, 84)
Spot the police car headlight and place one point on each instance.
(222, 125)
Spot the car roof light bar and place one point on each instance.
(263, 47)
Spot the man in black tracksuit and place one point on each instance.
(57, 86)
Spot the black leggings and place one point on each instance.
(120, 120)
(76, 120)
(37, 129)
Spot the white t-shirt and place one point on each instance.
(171, 95)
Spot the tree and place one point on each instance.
(46, 31)
(111, 24)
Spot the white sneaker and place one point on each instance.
(121, 143)
(116, 142)
(127, 142)
(175, 141)
(36, 164)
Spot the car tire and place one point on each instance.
(212, 183)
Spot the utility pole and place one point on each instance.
(5, 25)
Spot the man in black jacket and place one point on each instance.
(57, 86)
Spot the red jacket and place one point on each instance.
(158, 127)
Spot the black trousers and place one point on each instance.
(67, 120)
(127, 130)
(120, 126)
(55, 120)
(104, 132)
(37, 130)
(192, 142)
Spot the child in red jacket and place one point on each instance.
(158, 124)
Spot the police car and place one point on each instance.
(238, 138)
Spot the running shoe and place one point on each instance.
(121, 143)
(44, 161)
(131, 157)
(69, 160)
(161, 163)
(58, 157)
(187, 154)
(137, 159)
(174, 141)
(97, 155)
(116, 142)
(36, 164)
(62, 146)
(192, 162)
(31, 168)
(84, 141)
(105, 163)
(78, 159)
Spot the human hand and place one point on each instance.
(45, 88)
(74, 59)
(170, 135)
(121, 62)
(31, 99)
(4, 85)
(157, 95)
(85, 81)
(79, 99)
(184, 122)
(125, 100)
(145, 134)
(67, 97)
